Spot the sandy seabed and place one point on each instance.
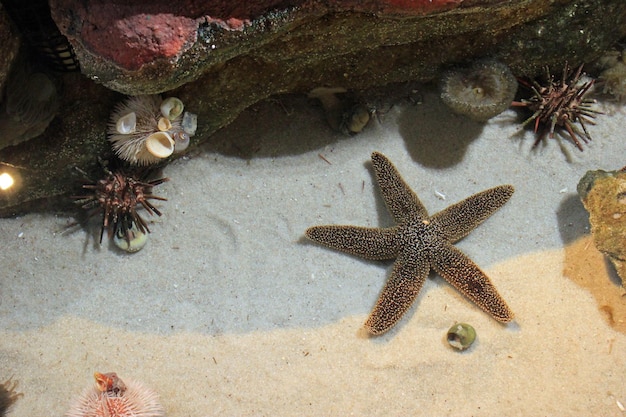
(230, 311)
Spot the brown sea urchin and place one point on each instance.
(117, 196)
(560, 103)
(8, 396)
(481, 91)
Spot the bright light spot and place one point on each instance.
(6, 181)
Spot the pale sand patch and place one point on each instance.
(557, 358)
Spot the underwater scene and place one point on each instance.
(230, 310)
(451, 247)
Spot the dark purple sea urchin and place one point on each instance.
(560, 103)
(117, 196)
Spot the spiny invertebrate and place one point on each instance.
(111, 397)
(117, 196)
(145, 129)
(8, 396)
(418, 243)
(560, 103)
(481, 91)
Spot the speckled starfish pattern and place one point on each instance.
(418, 243)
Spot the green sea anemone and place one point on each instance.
(479, 92)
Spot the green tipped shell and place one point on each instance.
(130, 240)
(172, 107)
(461, 336)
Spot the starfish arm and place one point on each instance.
(461, 272)
(458, 220)
(366, 242)
(406, 281)
(401, 201)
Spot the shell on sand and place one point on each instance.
(134, 400)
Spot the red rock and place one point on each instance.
(119, 40)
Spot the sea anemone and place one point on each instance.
(117, 196)
(145, 129)
(8, 396)
(479, 92)
(560, 103)
(613, 75)
(111, 397)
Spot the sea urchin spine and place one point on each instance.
(560, 103)
(8, 396)
(117, 196)
(111, 397)
(145, 130)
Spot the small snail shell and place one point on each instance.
(172, 107)
(190, 123)
(132, 240)
(164, 124)
(181, 141)
(126, 124)
(461, 336)
(160, 144)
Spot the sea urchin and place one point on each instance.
(118, 196)
(560, 103)
(144, 129)
(8, 395)
(111, 397)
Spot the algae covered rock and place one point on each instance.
(603, 194)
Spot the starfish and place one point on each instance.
(419, 243)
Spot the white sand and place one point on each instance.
(229, 311)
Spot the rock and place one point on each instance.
(603, 194)
(30, 103)
(221, 57)
(152, 47)
(9, 46)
